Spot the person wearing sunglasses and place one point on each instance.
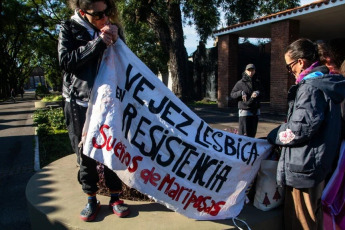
(82, 41)
(311, 135)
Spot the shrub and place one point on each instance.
(56, 118)
(43, 130)
(53, 118)
(52, 98)
(41, 90)
(54, 146)
(40, 117)
(53, 137)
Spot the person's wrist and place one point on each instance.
(101, 43)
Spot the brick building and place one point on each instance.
(320, 20)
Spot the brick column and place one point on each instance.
(282, 34)
(227, 68)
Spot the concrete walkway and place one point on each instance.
(17, 160)
(55, 198)
(225, 118)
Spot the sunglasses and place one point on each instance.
(99, 15)
(289, 66)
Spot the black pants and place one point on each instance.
(75, 117)
(248, 125)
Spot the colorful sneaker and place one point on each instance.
(90, 211)
(119, 208)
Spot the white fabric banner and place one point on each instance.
(157, 145)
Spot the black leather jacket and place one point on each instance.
(79, 58)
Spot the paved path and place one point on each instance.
(17, 152)
(228, 118)
(55, 200)
(17, 161)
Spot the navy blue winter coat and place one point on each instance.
(314, 119)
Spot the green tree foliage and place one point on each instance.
(48, 15)
(161, 23)
(16, 42)
(41, 90)
(29, 39)
(204, 14)
(153, 28)
(142, 41)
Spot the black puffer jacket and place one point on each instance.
(79, 58)
(315, 120)
(248, 85)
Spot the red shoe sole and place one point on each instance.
(124, 214)
(91, 218)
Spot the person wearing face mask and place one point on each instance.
(82, 41)
(246, 92)
(311, 135)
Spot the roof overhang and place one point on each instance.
(318, 20)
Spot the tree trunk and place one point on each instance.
(171, 38)
(177, 52)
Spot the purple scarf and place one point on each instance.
(306, 72)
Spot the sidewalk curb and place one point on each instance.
(37, 166)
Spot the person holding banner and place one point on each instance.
(247, 92)
(311, 135)
(82, 41)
